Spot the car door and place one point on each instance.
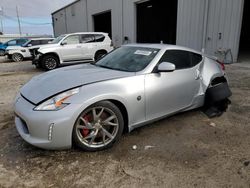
(169, 92)
(70, 49)
(88, 45)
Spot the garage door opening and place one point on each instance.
(157, 21)
(244, 50)
(102, 23)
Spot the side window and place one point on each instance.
(74, 39)
(45, 41)
(35, 42)
(99, 38)
(196, 59)
(87, 38)
(20, 41)
(11, 43)
(180, 58)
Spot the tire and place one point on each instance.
(16, 57)
(99, 55)
(216, 100)
(50, 62)
(38, 66)
(100, 131)
(9, 57)
(2, 52)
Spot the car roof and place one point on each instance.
(42, 39)
(18, 39)
(163, 47)
(91, 33)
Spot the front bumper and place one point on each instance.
(36, 60)
(45, 129)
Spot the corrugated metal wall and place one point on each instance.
(210, 24)
(190, 23)
(70, 19)
(201, 24)
(224, 26)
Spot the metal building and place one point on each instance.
(214, 26)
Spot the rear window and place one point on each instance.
(87, 38)
(99, 38)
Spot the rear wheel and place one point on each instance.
(216, 99)
(17, 57)
(50, 62)
(99, 55)
(98, 127)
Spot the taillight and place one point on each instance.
(221, 64)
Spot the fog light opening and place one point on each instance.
(50, 131)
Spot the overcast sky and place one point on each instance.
(32, 13)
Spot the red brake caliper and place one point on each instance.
(85, 132)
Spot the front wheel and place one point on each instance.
(17, 57)
(98, 127)
(49, 62)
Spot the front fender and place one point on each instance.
(128, 91)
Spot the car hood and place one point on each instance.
(51, 83)
(14, 47)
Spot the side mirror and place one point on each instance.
(166, 67)
(29, 45)
(63, 43)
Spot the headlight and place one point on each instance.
(57, 102)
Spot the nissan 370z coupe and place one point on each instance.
(91, 105)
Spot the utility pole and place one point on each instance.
(1, 18)
(18, 19)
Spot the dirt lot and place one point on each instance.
(189, 150)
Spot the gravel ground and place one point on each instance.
(189, 149)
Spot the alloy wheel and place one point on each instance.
(50, 63)
(97, 127)
(17, 57)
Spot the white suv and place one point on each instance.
(73, 48)
(18, 53)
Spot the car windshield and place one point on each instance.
(57, 40)
(128, 58)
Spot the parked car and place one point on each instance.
(18, 53)
(91, 105)
(14, 42)
(73, 48)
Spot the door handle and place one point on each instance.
(78, 46)
(220, 36)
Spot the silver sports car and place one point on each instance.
(91, 105)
